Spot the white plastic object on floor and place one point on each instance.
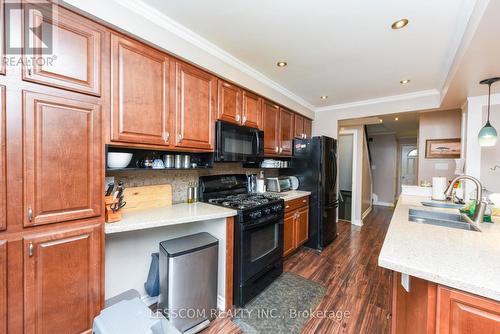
(129, 317)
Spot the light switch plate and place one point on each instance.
(405, 282)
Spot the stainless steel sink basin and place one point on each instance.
(445, 219)
(446, 205)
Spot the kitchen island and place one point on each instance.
(444, 278)
(130, 242)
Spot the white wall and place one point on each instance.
(384, 151)
(490, 156)
(156, 29)
(475, 118)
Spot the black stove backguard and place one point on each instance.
(258, 233)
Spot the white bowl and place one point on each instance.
(119, 159)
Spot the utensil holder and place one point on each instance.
(111, 216)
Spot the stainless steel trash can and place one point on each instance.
(188, 281)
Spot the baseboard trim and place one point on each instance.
(381, 203)
(357, 222)
(366, 213)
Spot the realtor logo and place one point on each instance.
(36, 17)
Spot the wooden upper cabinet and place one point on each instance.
(230, 102)
(2, 40)
(3, 287)
(307, 128)
(462, 313)
(252, 110)
(270, 119)
(298, 128)
(75, 63)
(194, 107)
(286, 131)
(63, 152)
(62, 280)
(140, 97)
(3, 159)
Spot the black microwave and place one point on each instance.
(235, 143)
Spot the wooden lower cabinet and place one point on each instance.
(3, 287)
(462, 313)
(430, 308)
(296, 224)
(63, 280)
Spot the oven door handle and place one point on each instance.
(257, 224)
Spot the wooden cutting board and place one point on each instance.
(147, 197)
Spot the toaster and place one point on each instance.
(278, 184)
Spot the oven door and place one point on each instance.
(237, 143)
(260, 245)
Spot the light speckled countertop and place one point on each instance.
(465, 260)
(176, 214)
(292, 194)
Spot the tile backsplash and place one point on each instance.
(180, 179)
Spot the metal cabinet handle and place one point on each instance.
(244, 120)
(31, 249)
(281, 149)
(167, 135)
(287, 207)
(277, 149)
(30, 214)
(237, 118)
(29, 71)
(179, 137)
(304, 201)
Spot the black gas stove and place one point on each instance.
(258, 241)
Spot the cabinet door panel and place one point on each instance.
(62, 280)
(140, 93)
(270, 126)
(194, 107)
(298, 131)
(463, 313)
(62, 159)
(3, 159)
(2, 37)
(230, 98)
(289, 234)
(252, 110)
(76, 43)
(286, 131)
(307, 128)
(3, 287)
(302, 226)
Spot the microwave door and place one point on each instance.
(235, 143)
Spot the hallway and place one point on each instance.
(356, 287)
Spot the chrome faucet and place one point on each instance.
(480, 204)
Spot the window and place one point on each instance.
(413, 153)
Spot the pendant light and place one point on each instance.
(488, 135)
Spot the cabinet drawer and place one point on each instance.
(295, 204)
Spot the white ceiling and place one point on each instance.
(340, 48)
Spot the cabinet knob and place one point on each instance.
(237, 117)
(30, 214)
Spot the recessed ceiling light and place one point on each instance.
(281, 64)
(324, 97)
(405, 81)
(381, 120)
(396, 118)
(399, 24)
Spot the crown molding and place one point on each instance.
(174, 27)
(431, 93)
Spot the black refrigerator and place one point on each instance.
(314, 163)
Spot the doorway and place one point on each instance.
(408, 166)
(346, 156)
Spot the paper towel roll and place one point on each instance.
(439, 185)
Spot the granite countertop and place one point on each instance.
(292, 194)
(174, 215)
(464, 260)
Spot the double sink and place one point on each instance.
(439, 218)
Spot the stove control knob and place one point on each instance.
(277, 208)
(267, 211)
(255, 214)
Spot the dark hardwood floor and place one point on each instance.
(357, 288)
